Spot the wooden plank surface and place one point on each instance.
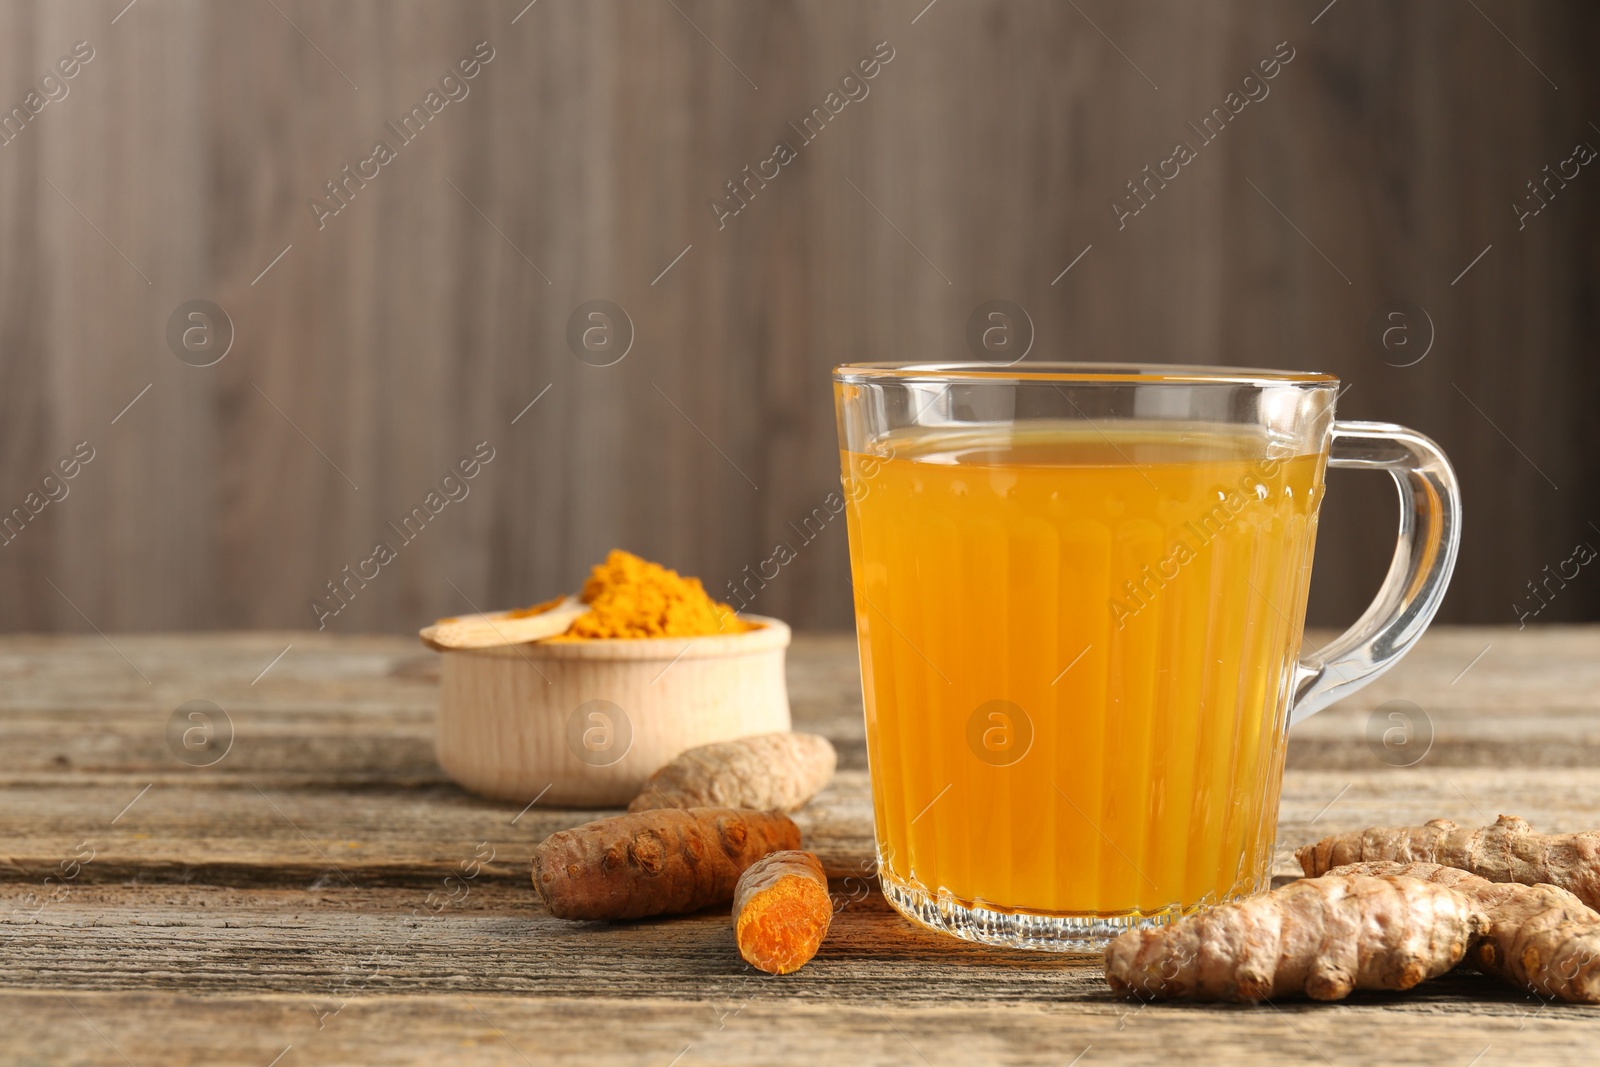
(419, 320)
(307, 891)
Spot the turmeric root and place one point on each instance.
(1508, 851)
(781, 911)
(768, 772)
(654, 862)
(1323, 937)
(1540, 938)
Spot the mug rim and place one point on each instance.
(1079, 373)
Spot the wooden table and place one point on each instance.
(322, 894)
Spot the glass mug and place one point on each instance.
(1079, 596)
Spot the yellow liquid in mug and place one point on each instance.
(1077, 648)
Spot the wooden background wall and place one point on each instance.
(428, 313)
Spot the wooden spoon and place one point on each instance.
(496, 628)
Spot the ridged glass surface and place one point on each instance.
(1076, 650)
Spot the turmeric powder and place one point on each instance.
(630, 597)
(537, 609)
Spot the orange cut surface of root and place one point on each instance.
(783, 912)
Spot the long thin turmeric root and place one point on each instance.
(654, 862)
(1540, 938)
(1322, 937)
(1508, 851)
(781, 911)
(767, 772)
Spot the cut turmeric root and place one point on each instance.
(1508, 851)
(781, 911)
(767, 772)
(655, 862)
(1540, 938)
(1321, 937)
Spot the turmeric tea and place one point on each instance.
(1104, 752)
(630, 597)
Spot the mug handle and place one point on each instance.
(1424, 556)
